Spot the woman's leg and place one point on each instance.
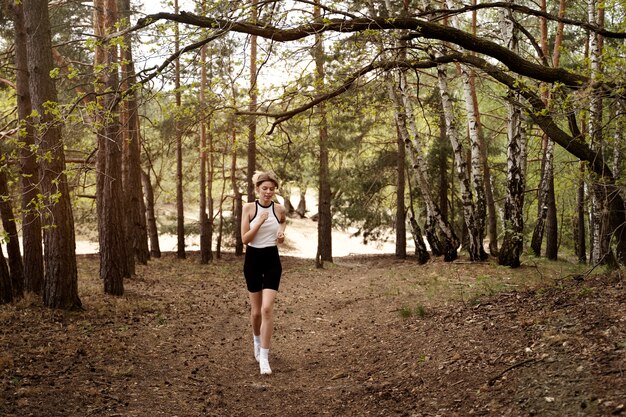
(255, 320)
(267, 317)
(267, 328)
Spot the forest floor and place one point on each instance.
(368, 335)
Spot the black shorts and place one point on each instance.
(262, 268)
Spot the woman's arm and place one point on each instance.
(282, 223)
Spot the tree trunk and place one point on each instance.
(581, 236)
(29, 168)
(444, 182)
(61, 276)
(136, 225)
(237, 203)
(180, 208)
(301, 210)
(220, 209)
(440, 235)
(421, 253)
(512, 244)
(16, 267)
(546, 202)
(492, 215)
(153, 232)
(205, 243)
(599, 228)
(475, 249)
(252, 107)
(400, 206)
(6, 289)
(473, 199)
(114, 266)
(324, 224)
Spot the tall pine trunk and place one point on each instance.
(400, 206)
(151, 223)
(237, 203)
(180, 207)
(29, 168)
(206, 254)
(252, 107)
(136, 217)
(61, 276)
(324, 225)
(16, 267)
(6, 288)
(110, 199)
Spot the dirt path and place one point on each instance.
(365, 336)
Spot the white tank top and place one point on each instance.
(267, 233)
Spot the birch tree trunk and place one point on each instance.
(441, 233)
(479, 214)
(475, 249)
(403, 137)
(512, 244)
(600, 230)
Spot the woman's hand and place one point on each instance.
(280, 238)
(264, 217)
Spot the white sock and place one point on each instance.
(257, 346)
(264, 363)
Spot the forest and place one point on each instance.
(494, 129)
(484, 141)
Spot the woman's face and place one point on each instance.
(266, 190)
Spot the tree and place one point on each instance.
(546, 203)
(527, 73)
(29, 168)
(6, 287)
(180, 207)
(252, 107)
(324, 223)
(153, 232)
(136, 231)
(61, 277)
(16, 267)
(110, 199)
(206, 220)
(512, 243)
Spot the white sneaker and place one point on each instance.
(264, 363)
(264, 366)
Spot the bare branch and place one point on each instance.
(419, 29)
(527, 10)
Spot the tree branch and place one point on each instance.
(419, 28)
(527, 10)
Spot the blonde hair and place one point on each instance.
(260, 177)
